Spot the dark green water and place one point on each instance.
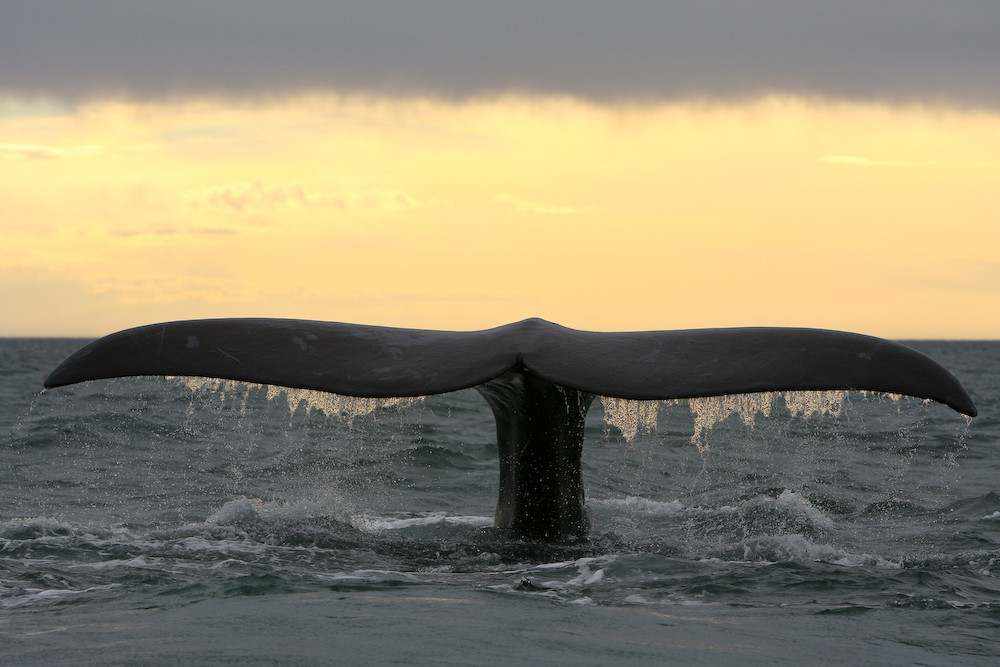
(144, 521)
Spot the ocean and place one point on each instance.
(177, 521)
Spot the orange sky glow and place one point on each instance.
(775, 211)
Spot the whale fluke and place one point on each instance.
(539, 378)
(373, 361)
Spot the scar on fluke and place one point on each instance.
(538, 378)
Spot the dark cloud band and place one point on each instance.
(893, 50)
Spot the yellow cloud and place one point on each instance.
(30, 152)
(241, 197)
(427, 213)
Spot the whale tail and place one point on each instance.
(539, 379)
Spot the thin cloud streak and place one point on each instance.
(896, 51)
(259, 194)
(30, 152)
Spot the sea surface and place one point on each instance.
(178, 521)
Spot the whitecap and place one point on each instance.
(644, 505)
(243, 510)
(792, 502)
(791, 548)
(375, 523)
(635, 599)
(51, 595)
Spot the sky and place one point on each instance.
(461, 165)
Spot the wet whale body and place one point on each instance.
(538, 378)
